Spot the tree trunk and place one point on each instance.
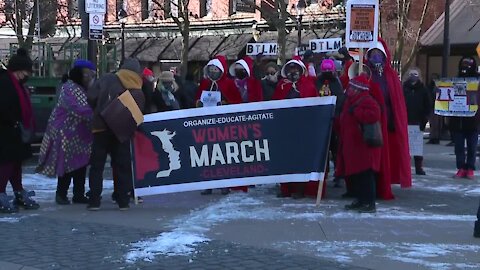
(282, 42)
(185, 47)
(31, 28)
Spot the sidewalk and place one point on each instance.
(427, 227)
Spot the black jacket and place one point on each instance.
(418, 102)
(336, 89)
(268, 88)
(12, 149)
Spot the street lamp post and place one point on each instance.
(300, 8)
(122, 16)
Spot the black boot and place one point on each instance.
(6, 205)
(355, 205)
(299, 191)
(367, 208)
(433, 141)
(476, 230)
(61, 199)
(419, 165)
(80, 199)
(23, 199)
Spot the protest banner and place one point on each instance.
(456, 97)
(232, 145)
(362, 23)
(415, 140)
(325, 45)
(262, 48)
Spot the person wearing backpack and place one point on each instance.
(358, 160)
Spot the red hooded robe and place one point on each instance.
(254, 86)
(400, 168)
(225, 85)
(306, 88)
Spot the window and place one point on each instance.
(145, 9)
(174, 8)
(120, 6)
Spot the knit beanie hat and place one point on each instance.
(81, 63)
(360, 83)
(20, 61)
(132, 64)
(166, 76)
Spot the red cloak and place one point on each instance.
(400, 168)
(306, 88)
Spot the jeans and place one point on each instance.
(78, 176)
(472, 141)
(105, 143)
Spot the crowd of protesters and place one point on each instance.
(369, 144)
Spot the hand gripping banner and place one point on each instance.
(232, 145)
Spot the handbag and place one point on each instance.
(122, 115)
(371, 133)
(27, 135)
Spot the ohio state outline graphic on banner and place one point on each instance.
(232, 145)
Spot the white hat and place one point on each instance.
(241, 62)
(214, 62)
(378, 46)
(293, 61)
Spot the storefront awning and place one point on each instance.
(233, 45)
(150, 49)
(204, 47)
(174, 50)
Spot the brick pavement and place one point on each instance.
(46, 243)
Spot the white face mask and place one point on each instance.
(273, 78)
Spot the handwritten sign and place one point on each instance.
(456, 97)
(415, 140)
(362, 23)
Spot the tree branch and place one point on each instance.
(417, 38)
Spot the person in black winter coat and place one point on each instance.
(270, 81)
(16, 120)
(419, 105)
(465, 128)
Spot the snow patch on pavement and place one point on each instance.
(189, 231)
(46, 187)
(10, 219)
(428, 255)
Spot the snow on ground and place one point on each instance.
(444, 182)
(412, 253)
(190, 230)
(45, 187)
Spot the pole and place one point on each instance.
(123, 41)
(299, 28)
(446, 39)
(92, 44)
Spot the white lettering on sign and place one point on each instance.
(230, 152)
(325, 45)
(96, 6)
(262, 48)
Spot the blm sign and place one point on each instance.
(232, 145)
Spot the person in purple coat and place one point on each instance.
(67, 143)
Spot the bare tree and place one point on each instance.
(178, 11)
(21, 15)
(407, 30)
(275, 12)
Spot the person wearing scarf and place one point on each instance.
(357, 161)
(16, 117)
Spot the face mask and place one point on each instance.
(168, 86)
(273, 77)
(293, 76)
(214, 76)
(241, 74)
(327, 75)
(24, 80)
(413, 79)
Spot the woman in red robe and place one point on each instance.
(386, 79)
(296, 84)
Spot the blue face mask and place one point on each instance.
(377, 59)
